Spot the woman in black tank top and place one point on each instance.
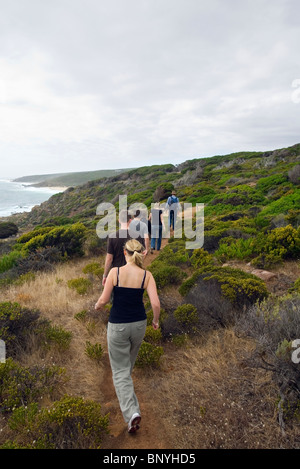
(127, 324)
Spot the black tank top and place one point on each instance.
(128, 305)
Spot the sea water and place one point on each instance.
(18, 197)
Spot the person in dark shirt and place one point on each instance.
(157, 226)
(127, 324)
(115, 245)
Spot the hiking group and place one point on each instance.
(125, 281)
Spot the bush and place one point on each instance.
(40, 260)
(279, 244)
(57, 336)
(19, 386)
(16, 324)
(94, 269)
(149, 355)
(165, 274)
(8, 261)
(68, 239)
(8, 229)
(94, 351)
(221, 293)
(81, 285)
(274, 324)
(71, 423)
(153, 336)
(186, 314)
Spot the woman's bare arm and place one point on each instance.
(154, 300)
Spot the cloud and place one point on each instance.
(91, 85)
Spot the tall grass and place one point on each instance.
(9, 260)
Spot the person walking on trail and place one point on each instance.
(127, 325)
(172, 206)
(115, 245)
(139, 230)
(157, 227)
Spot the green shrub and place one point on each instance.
(149, 355)
(19, 386)
(279, 244)
(71, 423)
(165, 274)
(69, 239)
(9, 260)
(180, 340)
(94, 268)
(186, 314)
(81, 316)
(81, 285)
(153, 336)
(200, 257)
(57, 336)
(94, 351)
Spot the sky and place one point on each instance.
(93, 84)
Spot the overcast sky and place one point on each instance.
(94, 84)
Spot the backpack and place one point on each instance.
(172, 200)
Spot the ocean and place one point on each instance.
(16, 197)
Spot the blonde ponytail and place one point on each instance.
(135, 251)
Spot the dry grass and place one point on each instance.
(211, 399)
(50, 294)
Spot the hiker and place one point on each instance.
(127, 324)
(157, 226)
(172, 205)
(139, 230)
(115, 245)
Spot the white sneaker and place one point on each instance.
(133, 424)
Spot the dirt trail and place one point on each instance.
(153, 433)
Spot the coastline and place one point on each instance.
(27, 197)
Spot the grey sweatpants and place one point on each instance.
(124, 341)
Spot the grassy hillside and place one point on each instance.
(230, 313)
(68, 179)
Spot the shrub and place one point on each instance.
(8, 229)
(221, 293)
(94, 351)
(19, 386)
(186, 314)
(149, 355)
(165, 274)
(153, 336)
(274, 324)
(279, 244)
(71, 423)
(81, 316)
(95, 269)
(68, 239)
(294, 174)
(81, 285)
(16, 324)
(57, 336)
(40, 260)
(9, 260)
